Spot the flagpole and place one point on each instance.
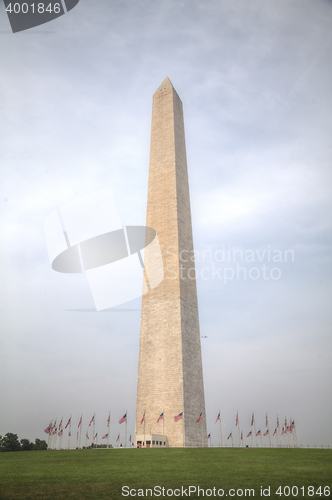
(163, 427)
(108, 429)
(295, 435)
(80, 430)
(61, 435)
(94, 426)
(69, 433)
(49, 435)
(278, 432)
(126, 430)
(268, 428)
(291, 427)
(238, 427)
(253, 413)
(53, 438)
(287, 432)
(183, 430)
(220, 429)
(144, 431)
(202, 431)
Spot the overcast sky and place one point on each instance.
(255, 81)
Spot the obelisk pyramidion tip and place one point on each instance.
(165, 85)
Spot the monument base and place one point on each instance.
(151, 441)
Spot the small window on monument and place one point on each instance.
(148, 442)
(164, 444)
(153, 442)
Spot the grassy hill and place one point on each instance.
(101, 474)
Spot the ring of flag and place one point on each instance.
(123, 419)
(199, 418)
(178, 417)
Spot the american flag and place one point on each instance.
(87, 435)
(60, 432)
(275, 432)
(237, 418)
(285, 423)
(258, 433)
(69, 433)
(91, 420)
(95, 436)
(248, 435)
(117, 439)
(80, 422)
(161, 417)
(123, 419)
(199, 418)
(266, 421)
(209, 436)
(230, 435)
(266, 433)
(178, 417)
(252, 419)
(143, 418)
(105, 436)
(130, 438)
(60, 424)
(241, 436)
(48, 429)
(277, 423)
(108, 421)
(68, 423)
(283, 431)
(218, 418)
(55, 431)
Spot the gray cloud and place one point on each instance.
(255, 80)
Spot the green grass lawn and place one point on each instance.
(100, 474)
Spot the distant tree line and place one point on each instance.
(10, 442)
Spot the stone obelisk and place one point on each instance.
(170, 377)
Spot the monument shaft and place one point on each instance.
(170, 377)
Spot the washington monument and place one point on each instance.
(170, 377)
